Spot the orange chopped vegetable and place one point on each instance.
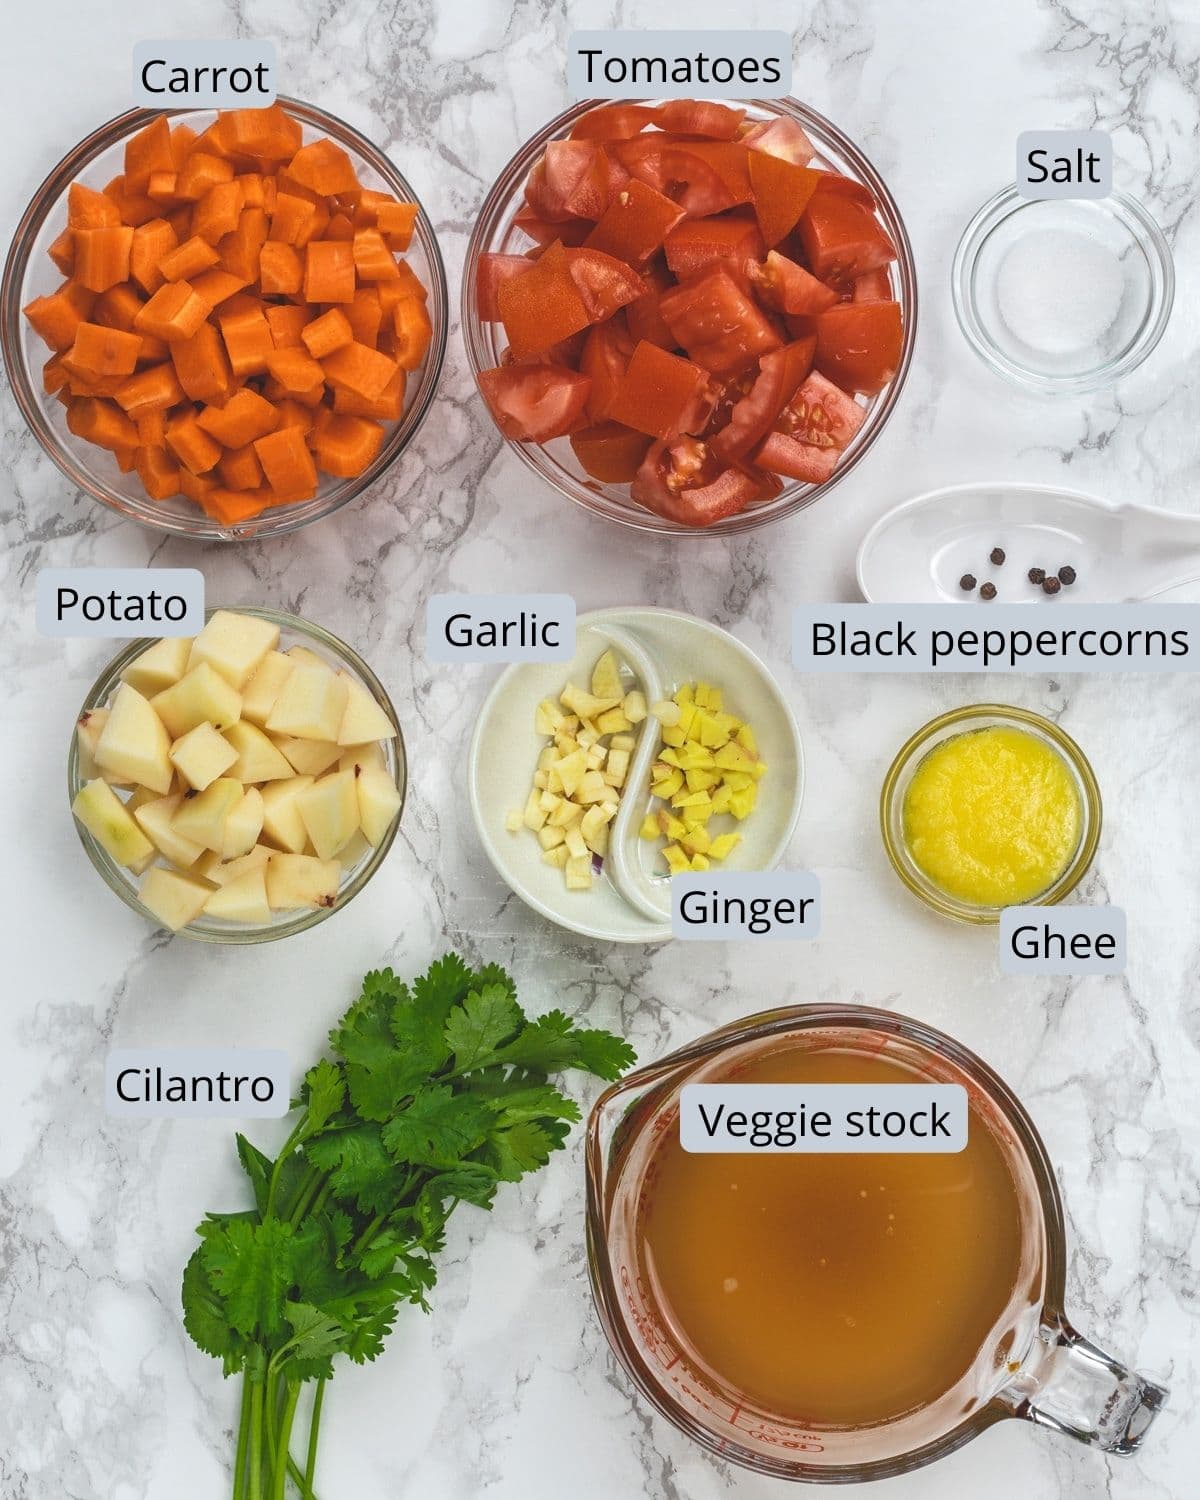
(328, 271)
(236, 316)
(327, 333)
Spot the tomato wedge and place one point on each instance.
(546, 231)
(635, 223)
(806, 462)
(859, 343)
(789, 288)
(842, 238)
(875, 286)
(822, 415)
(493, 269)
(645, 315)
(779, 377)
(604, 283)
(571, 182)
(695, 244)
(679, 480)
(660, 394)
(782, 191)
(719, 324)
(535, 403)
(610, 452)
(699, 117)
(781, 137)
(542, 306)
(604, 360)
(613, 122)
(672, 167)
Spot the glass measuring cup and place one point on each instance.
(1034, 1365)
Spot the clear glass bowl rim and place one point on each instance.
(98, 696)
(1143, 230)
(602, 1147)
(26, 385)
(795, 497)
(961, 720)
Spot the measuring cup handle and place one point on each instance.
(1070, 1385)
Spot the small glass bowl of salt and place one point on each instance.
(1063, 295)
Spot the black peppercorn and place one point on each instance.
(996, 556)
(1066, 575)
(1037, 575)
(988, 591)
(967, 582)
(1051, 585)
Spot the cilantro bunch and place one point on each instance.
(437, 1093)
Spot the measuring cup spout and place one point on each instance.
(1070, 1385)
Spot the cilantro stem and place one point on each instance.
(280, 1470)
(256, 1436)
(306, 1490)
(239, 1462)
(308, 1186)
(289, 1146)
(271, 1404)
(314, 1428)
(368, 1233)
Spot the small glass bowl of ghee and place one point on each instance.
(990, 806)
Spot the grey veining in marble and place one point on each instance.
(508, 1390)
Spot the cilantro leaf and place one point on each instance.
(476, 1028)
(443, 986)
(438, 1128)
(521, 1148)
(601, 1053)
(543, 1046)
(358, 1165)
(323, 1094)
(533, 1101)
(204, 1317)
(250, 1267)
(378, 1073)
(257, 1167)
(316, 1338)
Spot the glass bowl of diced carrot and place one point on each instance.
(690, 316)
(228, 324)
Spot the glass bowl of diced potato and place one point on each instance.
(241, 785)
(224, 383)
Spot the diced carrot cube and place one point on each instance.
(407, 284)
(147, 152)
(330, 331)
(161, 188)
(324, 167)
(102, 256)
(373, 261)
(173, 313)
(88, 209)
(183, 142)
(55, 375)
(287, 463)
(292, 414)
(229, 507)
(293, 219)
(396, 221)
(126, 459)
(118, 307)
(254, 191)
(295, 372)
(62, 251)
(153, 350)
(366, 208)
(218, 212)
(248, 340)
(313, 397)
(287, 323)
(158, 473)
(151, 242)
(280, 270)
(413, 331)
(102, 351)
(347, 445)
(328, 271)
(190, 444)
(360, 369)
(240, 469)
(215, 286)
(244, 417)
(152, 429)
(188, 260)
(388, 406)
(150, 390)
(267, 134)
(365, 313)
(101, 422)
(339, 228)
(200, 172)
(239, 250)
(57, 316)
(132, 208)
(201, 366)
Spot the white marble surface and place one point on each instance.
(507, 1389)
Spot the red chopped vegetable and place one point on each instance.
(702, 301)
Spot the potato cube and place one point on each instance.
(534, 814)
(201, 755)
(234, 645)
(558, 856)
(515, 820)
(550, 837)
(579, 873)
(310, 704)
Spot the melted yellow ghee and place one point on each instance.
(993, 816)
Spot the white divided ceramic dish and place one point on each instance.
(505, 748)
(917, 552)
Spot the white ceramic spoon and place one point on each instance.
(919, 551)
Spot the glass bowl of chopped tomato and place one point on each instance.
(224, 325)
(690, 316)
